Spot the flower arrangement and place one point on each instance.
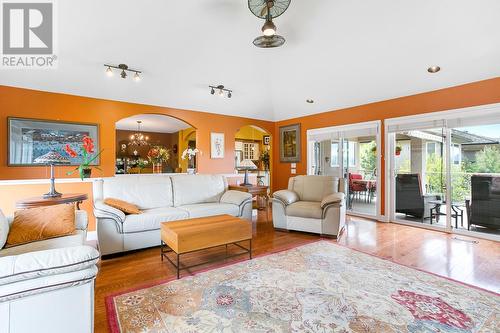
(141, 164)
(158, 155)
(190, 153)
(88, 156)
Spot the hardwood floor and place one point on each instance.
(477, 264)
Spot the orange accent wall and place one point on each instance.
(25, 103)
(16, 102)
(472, 94)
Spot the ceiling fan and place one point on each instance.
(268, 10)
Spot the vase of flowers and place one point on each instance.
(142, 164)
(190, 154)
(87, 155)
(157, 156)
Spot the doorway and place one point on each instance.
(349, 152)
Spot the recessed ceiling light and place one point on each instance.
(310, 101)
(433, 69)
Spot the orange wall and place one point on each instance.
(36, 104)
(472, 94)
(15, 102)
(26, 103)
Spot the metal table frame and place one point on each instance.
(164, 249)
(456, 212)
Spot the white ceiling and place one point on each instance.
(152, 123)
(339, 53)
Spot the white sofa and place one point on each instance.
(48, 286)
(161, 198)
(311, 204)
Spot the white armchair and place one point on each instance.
(311, 204)
(48, 286)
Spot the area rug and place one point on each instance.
(319, 287)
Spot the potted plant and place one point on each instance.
(87, 155)
(398, 150)
(190, 153)
(158, 155)
(141, 164)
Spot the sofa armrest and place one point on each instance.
(101, 210)
(45, 263)
(236, 197)
(81, 220)
(287, 197)
(332, 199)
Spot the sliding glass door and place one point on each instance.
(349, 152)
(444, 171)
(420, 175)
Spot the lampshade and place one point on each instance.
(247, 165)
(52, 157)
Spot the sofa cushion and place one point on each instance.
(4, 229)
(309, 209)
(41, 223)
(75, 239)
(194, 189)
(144, 191)
(314, 188)
(150, 219)
(124, 206)
(210, 209)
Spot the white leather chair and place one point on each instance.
(312, 204)
(48, 286)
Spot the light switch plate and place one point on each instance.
(294, 171)
(293, 165)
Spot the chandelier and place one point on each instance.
(139, 139)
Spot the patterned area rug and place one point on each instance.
(319, 287)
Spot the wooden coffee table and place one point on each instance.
(203, 233)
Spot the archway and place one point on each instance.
(136, 136)
(254, 143)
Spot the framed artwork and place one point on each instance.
(31, 138)
(216, 145)
(290, 143)
(266, 139)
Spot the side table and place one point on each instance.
(255, 191)
(40, 201)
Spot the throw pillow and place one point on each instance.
(4, 229)
(124, 206)
(41, 223)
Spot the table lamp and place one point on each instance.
(247, 165)
(51, 158)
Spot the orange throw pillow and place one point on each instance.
(41, 223)
(126, 207)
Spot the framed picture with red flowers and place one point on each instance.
(32, 138)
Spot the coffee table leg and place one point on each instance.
(178, 268)
(250, 249)
(161, 250)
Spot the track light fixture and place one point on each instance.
(220, 91)
(124, 69)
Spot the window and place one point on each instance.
(250, 151)
(456, 154)
(350, 150)
(334, 161)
